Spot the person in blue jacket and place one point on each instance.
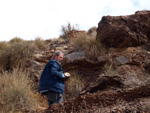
(51, 82)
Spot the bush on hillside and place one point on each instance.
(16, 54)
(40, 43)
(16, 92)
(16, 40)
(68, 29)
(89, 45)
(3, 45)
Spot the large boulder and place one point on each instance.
(79, 61)
(125, 31)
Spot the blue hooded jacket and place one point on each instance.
(52, 77)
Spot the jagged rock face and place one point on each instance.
(125, 31)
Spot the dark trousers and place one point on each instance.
(54, 97)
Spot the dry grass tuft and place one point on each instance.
(110, 69)
(16, 92)
(74, 86)
(88, 44)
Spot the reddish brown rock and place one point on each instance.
(125, 31)
(102, 83)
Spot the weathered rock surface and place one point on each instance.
(102, 102)
(78, 60)
(102, 83)
(125, 31)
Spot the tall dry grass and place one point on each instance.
(16, 54)
(68, 29)
(88, 44)
(16, 92)
(110, 69)
(74, 85)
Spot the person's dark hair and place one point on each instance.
(57, 53)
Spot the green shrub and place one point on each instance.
(16, 92)
(16, 54)
(74, 85)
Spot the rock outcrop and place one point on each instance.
(125, 31)
(115, 81)
(79, 61)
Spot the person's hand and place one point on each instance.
(67, 74)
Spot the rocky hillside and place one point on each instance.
(118, 79)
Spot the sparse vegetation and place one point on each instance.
(16, 54)
(16, 91)
(68, 29)
(74, 85)
(40, 43)
(120, 92)
(88, 44)
(3, 45)
(16, 40)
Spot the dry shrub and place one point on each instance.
(68, 29)
(16, 40)
(16, 91)
(88, 44)
(3, 45)
(74, 85)
(40, 43)
(16, 54)
(79, 42)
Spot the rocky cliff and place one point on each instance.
(118, 80)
